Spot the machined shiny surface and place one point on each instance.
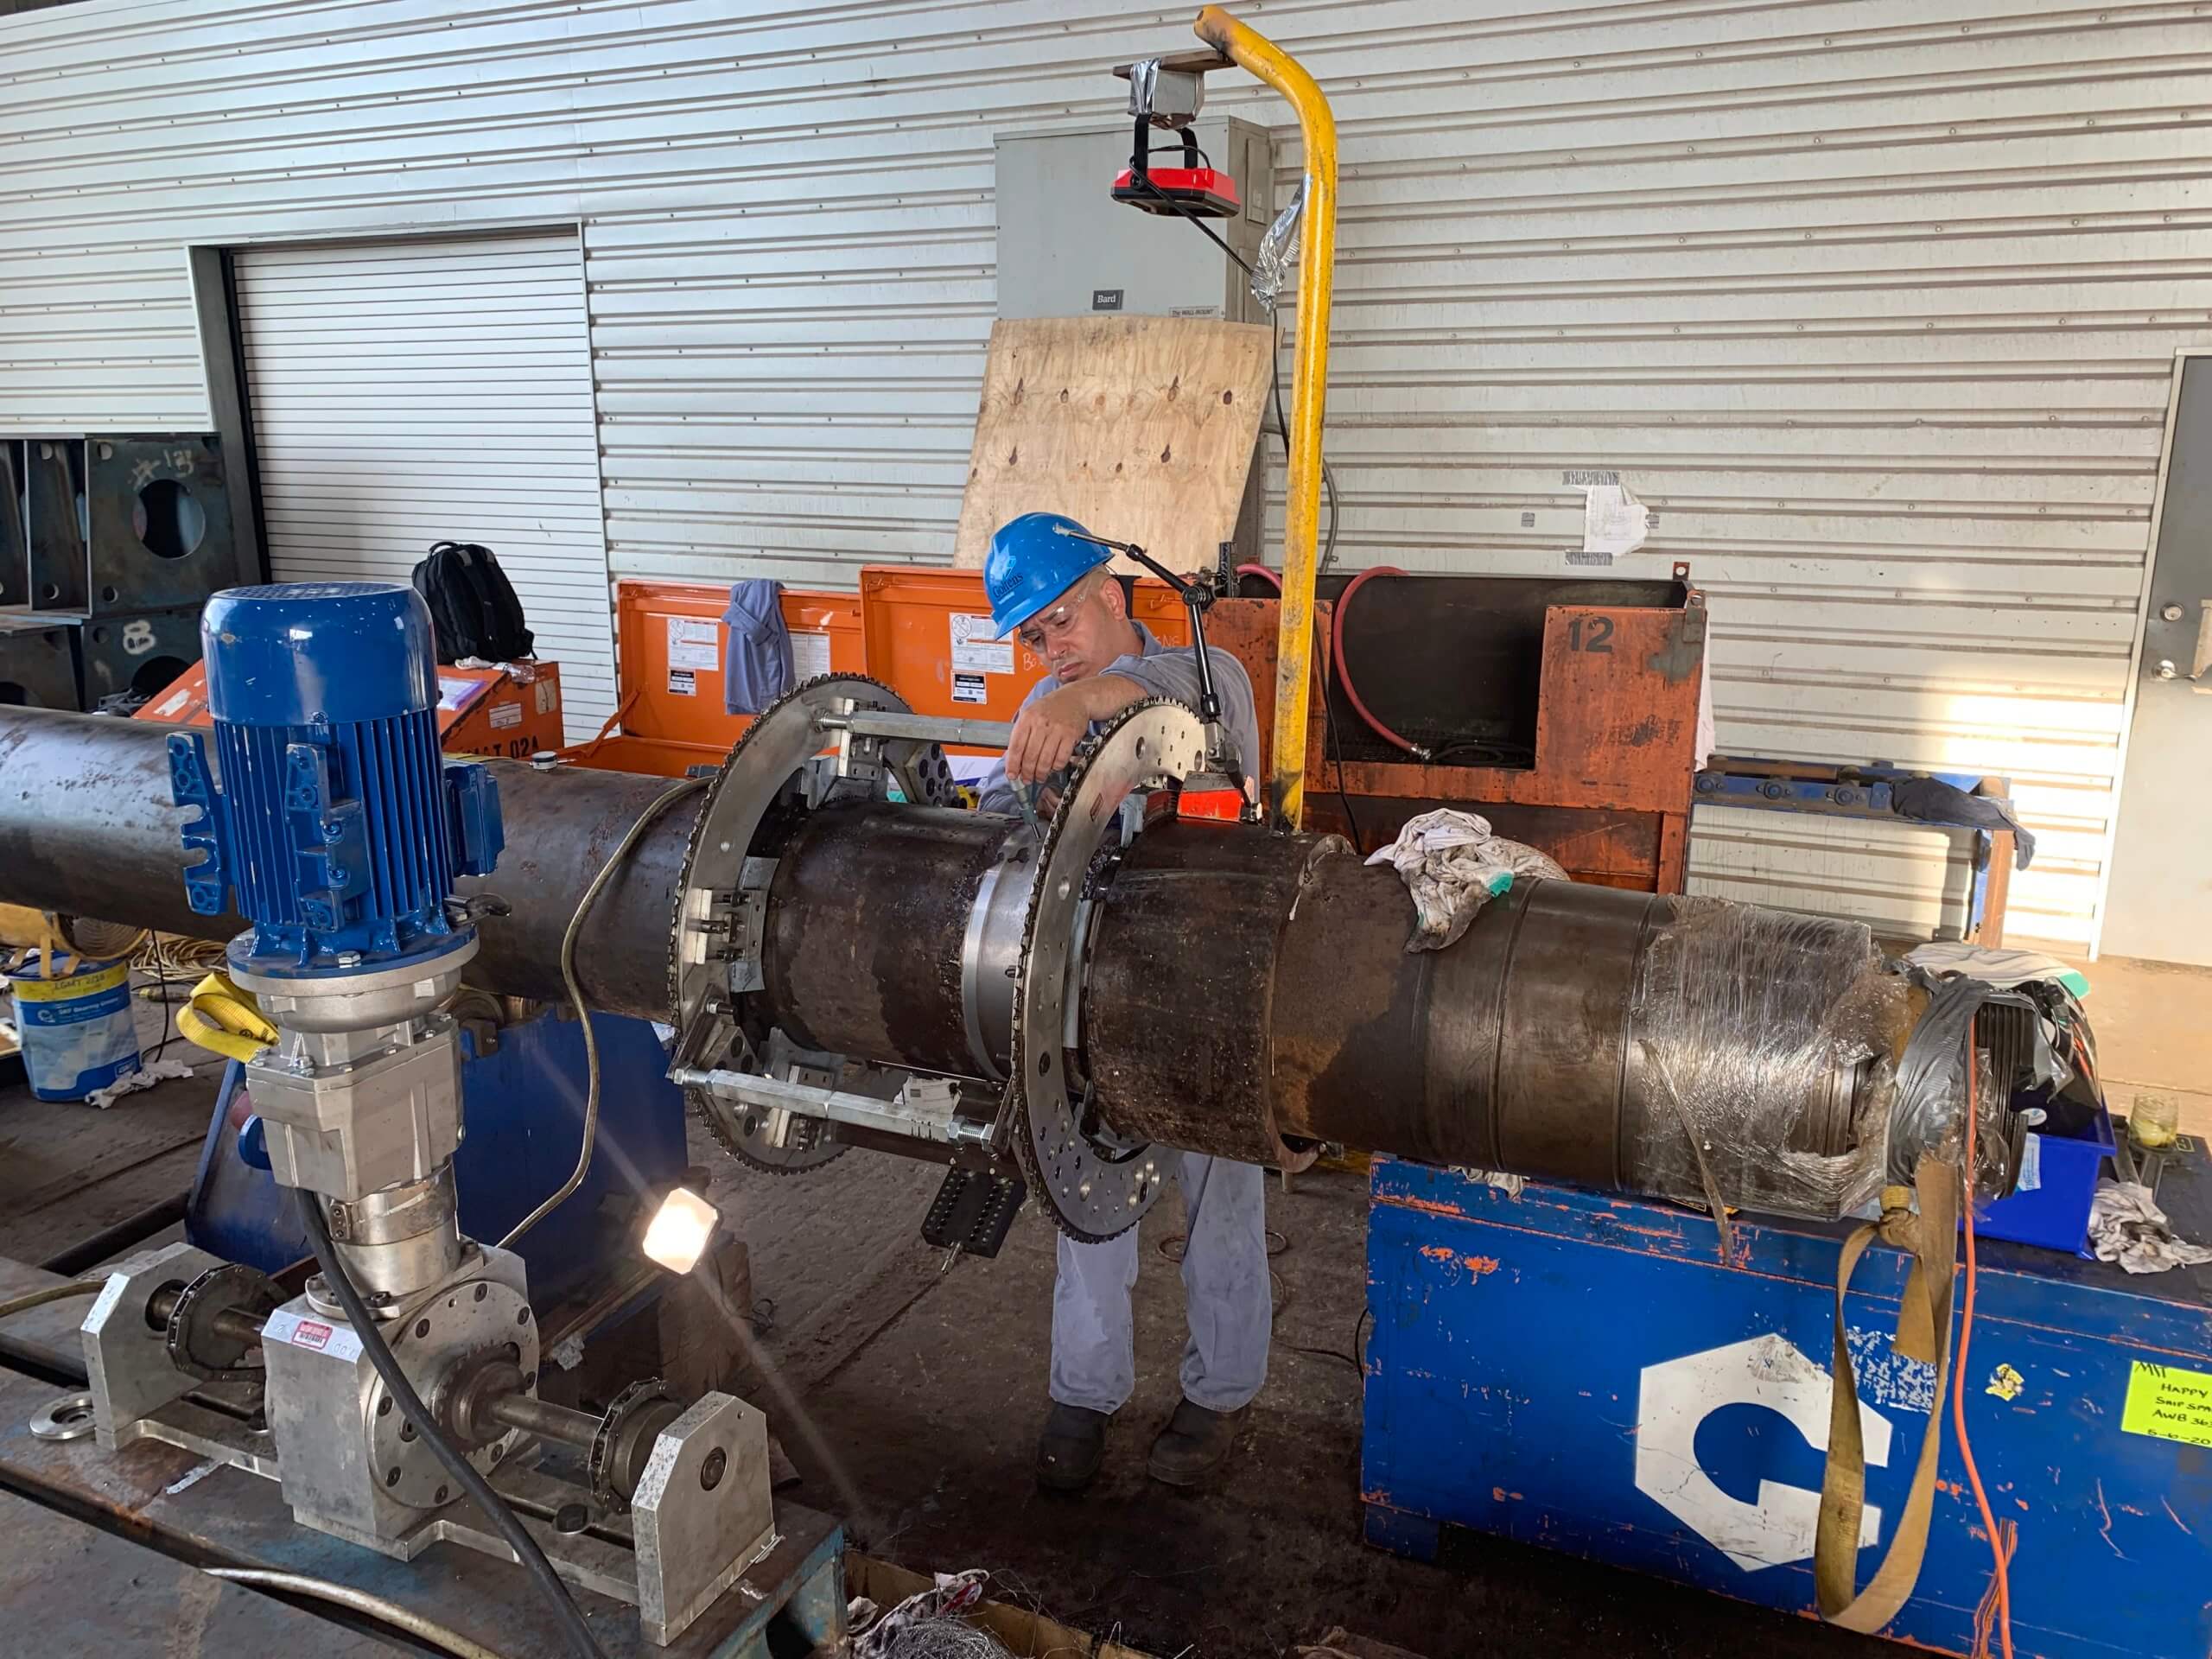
(861, 952)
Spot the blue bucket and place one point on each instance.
(76, 1027)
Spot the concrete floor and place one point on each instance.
(916, 1397)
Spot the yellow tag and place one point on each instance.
(2171, 1403)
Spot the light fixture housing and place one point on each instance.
(681, 1229)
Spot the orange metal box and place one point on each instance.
(672, 644)
(929, 638)
(649, 757)
(513, 711)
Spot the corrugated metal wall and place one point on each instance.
(1874, 301)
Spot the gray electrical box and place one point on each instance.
(1067, 248)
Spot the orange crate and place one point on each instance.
(928, 635)
(510, 712)
(649, 757)
(673, 646)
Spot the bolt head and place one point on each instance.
(2171, 613)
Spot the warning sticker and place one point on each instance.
(2169, 1403)
(810, 655)
(286, 1327)
(694, 642)
(975, 652)
(505, 714)
(682, 682)
(970, 687)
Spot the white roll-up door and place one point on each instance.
(430, 389)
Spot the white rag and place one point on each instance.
(1454, 865)
(150, 1073)
(2126, 1226)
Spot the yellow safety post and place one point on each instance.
(1263, 59)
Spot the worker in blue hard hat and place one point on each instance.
(1054, 593)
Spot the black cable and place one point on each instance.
(1328, 483)
(1337, 759)
(1195, 220)
(566, 1613)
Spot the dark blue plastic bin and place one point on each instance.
(2055, 1215)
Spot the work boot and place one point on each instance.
(1072, 1447)
(1194, 1443)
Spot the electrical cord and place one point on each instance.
(1328, 554)
(1173, 1246)
(1344, 669)
(23, 1304)
(576, 1634)
(1196, 219)
(1997, 1548)
(653, 809)
(344, 1595)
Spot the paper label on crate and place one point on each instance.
(2169, 1403)
(171, 704)
(454, 694)
(694, 642)
(682, 682)
(974, 650)
(810, 655)
(970, 687)
(506, 715)
(549, 695)
(2030, 1164)
(286, 1327)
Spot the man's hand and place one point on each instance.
(1046, 732)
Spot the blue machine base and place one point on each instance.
(523, 1121)
(1578, 1371)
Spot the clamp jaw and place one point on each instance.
(1197, 599)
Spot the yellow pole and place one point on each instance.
(1309, 380)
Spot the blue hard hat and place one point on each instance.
(1033, 560)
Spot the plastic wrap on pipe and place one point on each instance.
(1755, 1025)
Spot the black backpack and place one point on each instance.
(473, 606)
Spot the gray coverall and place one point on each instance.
(1227, 1296)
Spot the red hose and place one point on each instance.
(1344, 669)
(1261, 571)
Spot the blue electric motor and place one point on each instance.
(338, 824)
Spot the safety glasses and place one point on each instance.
(1051, 624)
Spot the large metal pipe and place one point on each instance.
(866, 946)
(87, 827)
(1262, 995)
(1248, 994)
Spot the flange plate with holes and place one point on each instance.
(712, 912)
(461, 1323)
(1094, 1188)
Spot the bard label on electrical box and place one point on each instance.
(2169, 1403)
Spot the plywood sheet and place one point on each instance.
(1141, 428)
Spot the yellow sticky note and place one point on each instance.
(2171, 1403)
